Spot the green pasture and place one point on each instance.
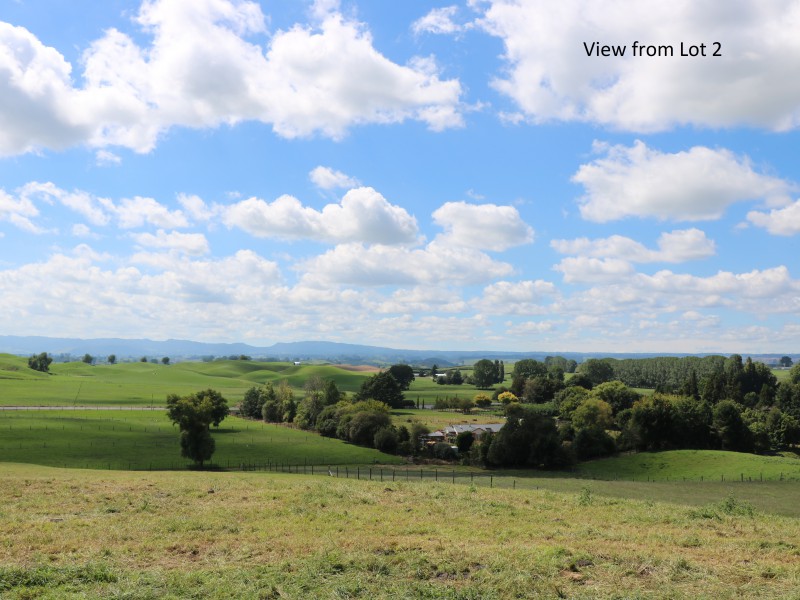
(677, 465)
(435, 419)
(131, 439)
(427, 391)
(148, 384)
(781, 374)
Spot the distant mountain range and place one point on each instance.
(310, 350)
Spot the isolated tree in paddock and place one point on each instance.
(143, 359)
(382, 387)
(785, 361)
(194, 414)
(404, 375)
(40, 362)
(484, 373)
(165, 360)
(112, 359)
(88, 358)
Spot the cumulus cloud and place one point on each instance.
(519, 297)
(483, 226)
(377, 265)
(19, 211)
(363, 215)
(550, 77)
(328, 179)
(180, 298)
(203, 68)
(138, 211)
(782, 221)
(583, 269)
(698, 184)
(193, 244)
(674, 247)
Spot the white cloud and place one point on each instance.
(438, 21)
(483, 226)
(196, 207)
(138, 211)
(423, 299)
(180, 297)
(104, 158)
(83, 203)
(674, 247)
(519, 298)
(193, 244)
(549, 75)
(19, 212)
(594, 270)
(698, 184)
(377, 265)
(363, 215)
(202, 70)
(783, 221)
(328, 179)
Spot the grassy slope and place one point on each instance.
(141, 439)
(109, 534)
(144, 384)
(711, 465)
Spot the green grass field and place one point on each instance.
(435, 419)
(676, 465)
(129, 439)
(147, 384)
(94, 534)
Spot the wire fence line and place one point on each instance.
(410, 474)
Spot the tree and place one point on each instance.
(507, 398)
(651, 423)
(252, 404)
(165, 360)
(143, 359)
(592, 413)
(527, 439)
(733, 434)
(404, 375)
(785, 361)
(386, 440)
(484, 373)
(482, 401)
(616, 393)
(455, 377)
(464, 441)
(528, 367)
(540, 389)
(88, 358)
(112, 359)
(40, 362)
(597, 370)
(194, 414)
(382, 387)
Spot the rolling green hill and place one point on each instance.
(145, 384)
(676, 465)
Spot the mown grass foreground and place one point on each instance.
(253, 535)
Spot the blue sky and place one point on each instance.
(412, 174)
